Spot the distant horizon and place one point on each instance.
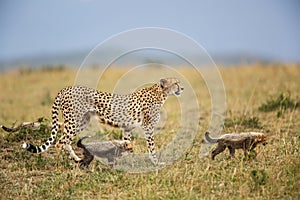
(75, 58)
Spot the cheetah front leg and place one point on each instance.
(126, 133)
(148, 131)
(220, 148)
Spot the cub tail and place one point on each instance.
(87, 156)
(79, 143)
(209, 139)
(9, 130)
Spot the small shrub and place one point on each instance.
(245, 122)
(252, 154)
(281, 103)
(24, 133)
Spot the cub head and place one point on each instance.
(171, 86)
(123, 145)
(261, 138)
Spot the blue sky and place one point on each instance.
(266, 28)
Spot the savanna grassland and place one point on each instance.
(263, 98)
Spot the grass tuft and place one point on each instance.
(243, 123)
(259, 179)
(280, 104)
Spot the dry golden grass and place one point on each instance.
(27, 95)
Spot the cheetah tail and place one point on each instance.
(55, 126)
(209, 139)
(39, 149)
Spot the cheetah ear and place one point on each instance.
(163, 82)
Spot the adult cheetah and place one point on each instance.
(79, 103)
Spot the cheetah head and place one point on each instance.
(123, 145)
(261, 138)
(171, 86)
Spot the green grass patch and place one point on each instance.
(243, 123)
(280, 104)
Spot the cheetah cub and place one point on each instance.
(246, 141)
(110, 150)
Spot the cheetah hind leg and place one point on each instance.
(61, 146)
(72, 153)
(65, 144)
